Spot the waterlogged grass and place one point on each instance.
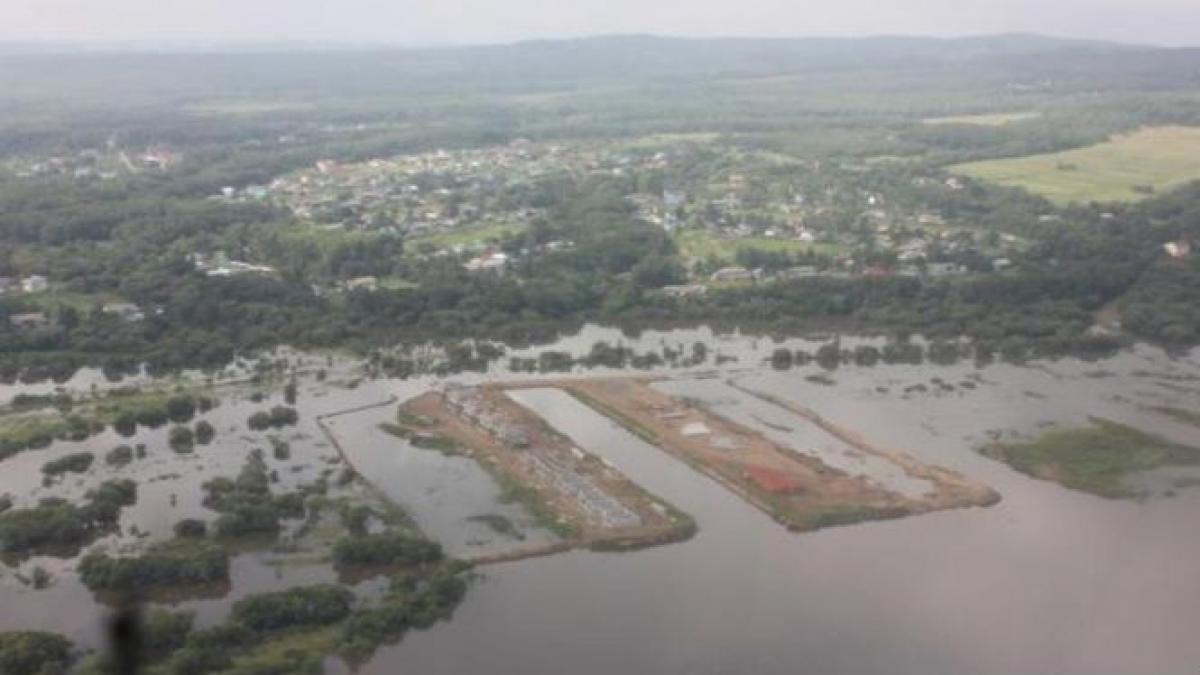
(512, 492)
(835, 516)
(1125, 168)
(1094, 459)
(297, 651)
(422, 439)
(33, 431)
(1191, 417)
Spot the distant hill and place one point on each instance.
(545, 65)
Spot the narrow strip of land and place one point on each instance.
(796, 488)
(588, 502)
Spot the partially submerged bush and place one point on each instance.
(78, 462)
(175, 562)
(34, 653)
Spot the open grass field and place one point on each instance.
(464, 237)
(990, 120)
(1124, 168)
(52, 301)
(703, 245)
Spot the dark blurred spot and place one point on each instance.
(125, 636)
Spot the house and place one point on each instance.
(943, 269)
(799, 272)
(1178, 249)
(31, 320)
(733, 274)
(362, 284)
(126, 311)
(35, 284)
(490, 261)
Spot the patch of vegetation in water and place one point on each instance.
(119, 456)
(512, 492)
(78, 462)
(293, 631)
(34, 653)
(125, 409)
(275, 418)
(58, 523)
(385, 549)
(187, 561)
(1095, 459)
(247, 505)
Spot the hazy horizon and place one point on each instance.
(472, 22)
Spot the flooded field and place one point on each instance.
(1047, 580)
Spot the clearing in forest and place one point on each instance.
(1125, 168)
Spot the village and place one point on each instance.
(106, 163)
(807, 218)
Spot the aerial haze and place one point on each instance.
(1165, 22)
(677, 338)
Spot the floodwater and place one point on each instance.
(793, 431)
(1047, 581)
(444, 495)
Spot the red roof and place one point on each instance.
(771, 480)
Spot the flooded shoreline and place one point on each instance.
(926, 593)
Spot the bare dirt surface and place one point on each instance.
(797, 489)
(587, 501)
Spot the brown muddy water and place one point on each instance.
(1047, 581)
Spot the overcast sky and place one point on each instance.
(424, 22)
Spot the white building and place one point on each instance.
(35, 284)
(125, 310)
(733, 274)
(488, 262)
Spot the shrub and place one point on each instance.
(279, 416)
(119, 456)
(191, 528)
(204, 432)
(55, 522)
(34, 653)
(302, 606)
(385, 549)
(179, 561)
(78, 462)
(181, 408)
(181, 439)
(126, 424)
